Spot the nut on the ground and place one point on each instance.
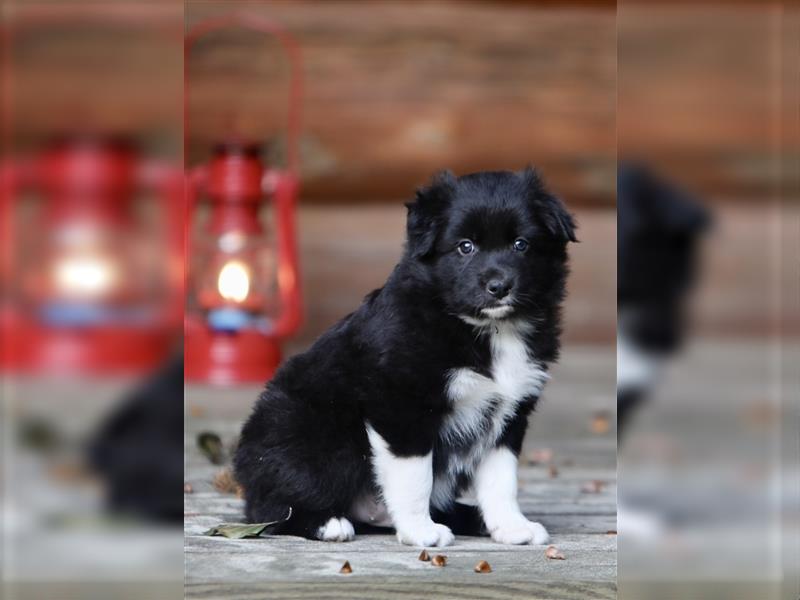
(483, 567)
(601, 422)
(225, 483)
(424, 556)
(187, 488)
(554, 553)
(346, 568)
(440, 560)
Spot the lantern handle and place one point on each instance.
(290, 47)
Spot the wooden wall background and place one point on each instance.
(397, 90)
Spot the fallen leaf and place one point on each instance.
(225, 483)
(424, 556)
(554, 553)
(237, 531)
(483, 567)
(210, 445)
(346, 568)
(440, 560)
(39, 435)
(601, 422)
(593, 487)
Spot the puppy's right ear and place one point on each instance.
(425, 214)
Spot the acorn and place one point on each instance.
(440, 560)
(424, 556)
(346, 568)
(483, 567)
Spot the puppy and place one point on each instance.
(659, 229)
(422, 395)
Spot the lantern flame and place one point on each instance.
(234, 281)
(84, 276)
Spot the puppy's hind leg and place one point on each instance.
(336, 529)
(319, 526)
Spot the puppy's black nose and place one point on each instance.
(499, 288)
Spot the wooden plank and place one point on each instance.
(390, 589)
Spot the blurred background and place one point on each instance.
(91, 191)
(708, 494)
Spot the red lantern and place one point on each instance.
(244, 291)
(89, 290)
(91, 281)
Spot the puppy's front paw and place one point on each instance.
(521, 531)
(426, 534)
(336, 530)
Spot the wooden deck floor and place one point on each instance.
(287, 567)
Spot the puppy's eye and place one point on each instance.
(520, 245)
(465, 247)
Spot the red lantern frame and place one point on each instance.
(31, 346)
(62, 174)
(238, 184)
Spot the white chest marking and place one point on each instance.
(515, 375)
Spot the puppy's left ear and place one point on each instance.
(555, 216)
(425, 214)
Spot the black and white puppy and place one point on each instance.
(422, 395)
(659, 230)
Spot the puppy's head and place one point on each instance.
(492, 244)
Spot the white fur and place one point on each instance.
(498, 312)
(495, 485)
(406, 484)
(336, 530)
(514, 376)
(635, 367)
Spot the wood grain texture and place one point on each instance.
(396, 91)
(388, 589)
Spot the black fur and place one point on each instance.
(138, 450)
(659, 227)
(305, 444)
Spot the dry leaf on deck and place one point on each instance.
(210, 445)
(237, 531)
